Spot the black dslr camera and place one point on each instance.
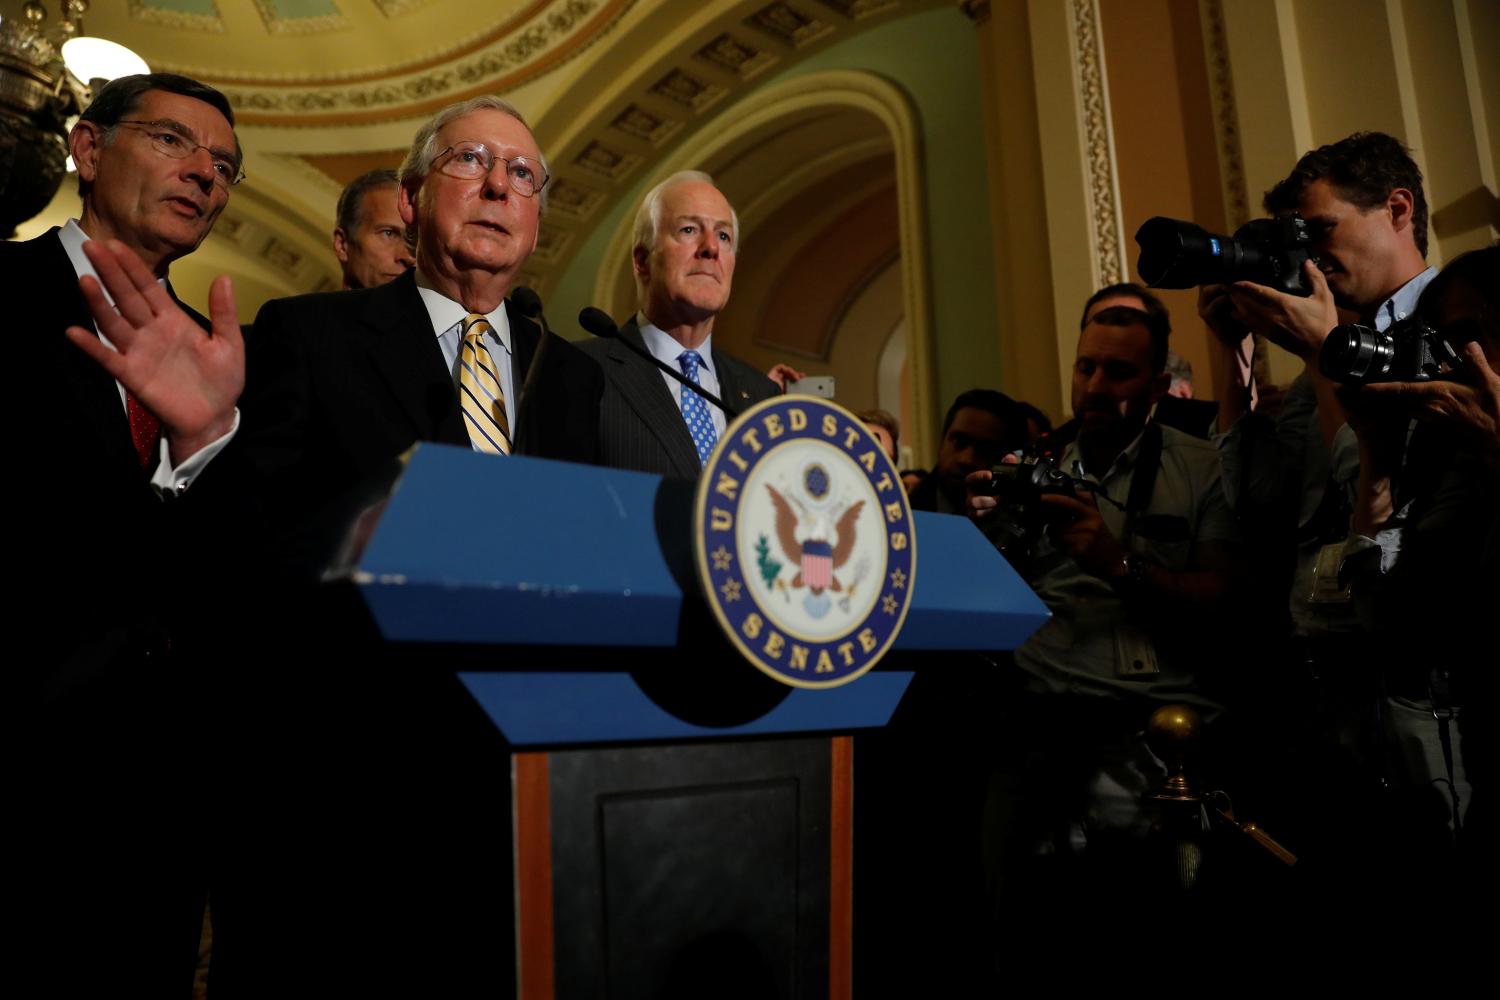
(1409, 351)
(1269, 252)
(1019, 488)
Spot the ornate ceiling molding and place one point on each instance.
(554, 33)
(188, 20)
(277, 23)
(296, 254)
(1099, 159)
(395, 8)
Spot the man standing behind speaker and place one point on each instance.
(686, 239)
(369, 238)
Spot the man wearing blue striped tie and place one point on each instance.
(685, 243)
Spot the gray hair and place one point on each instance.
(424, 145)
(648, 216)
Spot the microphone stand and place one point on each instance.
(530, 305)
(597, 322)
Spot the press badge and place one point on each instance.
(1325, 577)
(1135, 656)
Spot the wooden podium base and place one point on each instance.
(697, 870)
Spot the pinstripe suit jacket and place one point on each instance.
(339, 384)
(640, 425)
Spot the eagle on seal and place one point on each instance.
(817, 556)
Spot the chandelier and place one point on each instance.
(48, 75)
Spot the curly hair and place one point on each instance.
(1364, 168)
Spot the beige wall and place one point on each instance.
(1164, 141)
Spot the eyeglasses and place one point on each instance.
(167, 141)
(471, 161)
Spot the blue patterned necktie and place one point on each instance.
(695, 410)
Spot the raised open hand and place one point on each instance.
(188, 377)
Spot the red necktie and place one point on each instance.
(144, 429)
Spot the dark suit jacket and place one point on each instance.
(340, 383)
(93, 549)
(641, 425)
(104, 582)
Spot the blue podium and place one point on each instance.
(660, 784)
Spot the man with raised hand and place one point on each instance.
(130, 396)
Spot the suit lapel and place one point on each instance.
(405, 351)
(644, 391)
(731, 392)
(89, 387)
(525, 336)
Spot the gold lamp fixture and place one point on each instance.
(48, 74)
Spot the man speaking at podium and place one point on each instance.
(683, 254)
(340, 383)
(403, 786)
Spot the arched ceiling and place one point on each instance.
(789, 183)
(306, 41)
(339, 62)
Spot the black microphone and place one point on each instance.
(530, 305)
(597, 322)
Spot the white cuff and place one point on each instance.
(169, 480)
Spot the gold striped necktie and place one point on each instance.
(479, 391)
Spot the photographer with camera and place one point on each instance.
(1348, 241)
(1128, 539)
(1365, 217)
(1424, 545)
(1299, 481)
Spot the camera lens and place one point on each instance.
(1357, 354)
(1179, 254)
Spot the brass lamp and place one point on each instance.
(47, 76)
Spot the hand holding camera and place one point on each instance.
(1296, 324)
(1080, 532)
(1466, 400)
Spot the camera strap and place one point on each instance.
(1444, 713)
(1143, 478)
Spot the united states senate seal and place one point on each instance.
(805, 545)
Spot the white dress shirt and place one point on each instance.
(448, 324)
(664, 349)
